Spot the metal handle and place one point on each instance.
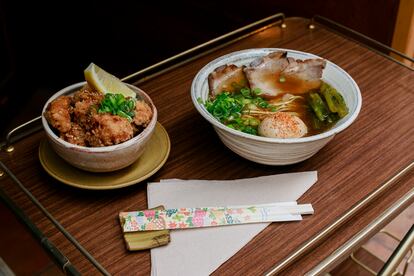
(49, 247)
(399, 253)
(345, 30)
(12, 137)
(54, 221)
(390, 267)
(213, 44)
(387, 268)
(326, 232)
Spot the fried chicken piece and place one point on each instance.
(143, 114)
(58, 113)
(227, 78)
(76, 135)
(109, 130)
(83, 113)
(87, 93)
(86, 102)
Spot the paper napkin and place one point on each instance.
(201, 251)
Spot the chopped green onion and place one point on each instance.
(117, 104)
(257, 91)
(245, 92)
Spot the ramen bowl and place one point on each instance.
(276, 151)
(100, 159)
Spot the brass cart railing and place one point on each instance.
(169, 64)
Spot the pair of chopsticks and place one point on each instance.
(185, 218)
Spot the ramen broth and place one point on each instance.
(291, 102)
(300, 107)
(290, 84)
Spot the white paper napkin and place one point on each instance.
(201, 251)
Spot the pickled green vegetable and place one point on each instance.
(335, 101)
(318, 106)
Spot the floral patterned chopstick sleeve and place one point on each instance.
(184, 218)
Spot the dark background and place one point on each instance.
(46, 46)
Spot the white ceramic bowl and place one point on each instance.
(274, 151)
(100, 159)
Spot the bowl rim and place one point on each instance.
(336, 129)
(72, 88)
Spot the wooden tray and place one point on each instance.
(357, 163)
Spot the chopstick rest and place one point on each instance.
(146, 240)
(185, 218)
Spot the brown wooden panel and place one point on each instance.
(356, 162)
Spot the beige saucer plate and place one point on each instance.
(153, 158)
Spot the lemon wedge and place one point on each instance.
(106, 83)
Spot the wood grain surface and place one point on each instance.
(375, 147)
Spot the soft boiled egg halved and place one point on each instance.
(282, 125)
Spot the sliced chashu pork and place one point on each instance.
(276, 73)
(227, 78)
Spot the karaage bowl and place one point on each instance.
(106, 158)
